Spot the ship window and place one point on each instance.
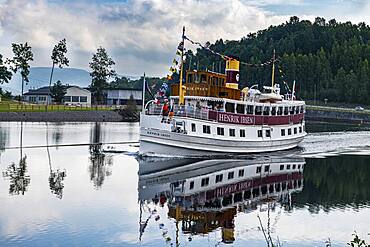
(203, 78)
(256, 192)
(289, 132)
(230, 107)
(283, 186)
(300, 129)
(282, 132)
(302, 109)
(247, 194)
(292, 110)
(220, 131)
(258, 169)
(264, 190)
(286, 111)
(277, 187)
(230, 175)
(266, 111)
(280, 111)
(204, 182)
(259, 133)
(267, 168)
(299, 166)
(268, 133)
(288, 167)
(193, 128)
(281, 167)
(191, 185)
(273, 111)
(232, 132)
(294, 166)
(296, 109)
(219, 178)
(240, 108)
(295, 130)
(242, 133)
(241, 173)
(258, 110)
(249, 109)
(206, 129)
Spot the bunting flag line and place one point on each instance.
(175, 61)
(224, 57)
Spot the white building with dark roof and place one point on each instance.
(74, 96)
(120, 96)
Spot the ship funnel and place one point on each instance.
(232, 72)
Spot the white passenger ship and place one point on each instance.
(210, 115)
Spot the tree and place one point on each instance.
(101, 66)
(22, 56)
(58, 57)
(58, 91)
(5, 73)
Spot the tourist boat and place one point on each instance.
(206, 194)
(210, 115)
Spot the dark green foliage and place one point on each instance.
(58, 57)
(357, 241)
(58, 91)
(5, 73)
(131, 105)
(328, 60)
(22, 56)
(101, 66)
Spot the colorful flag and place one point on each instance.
(175, 62)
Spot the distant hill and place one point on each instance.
(39, 76)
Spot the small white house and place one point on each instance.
(74, 96)
(77, 96)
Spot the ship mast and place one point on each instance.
(181, 95)
(273, 72)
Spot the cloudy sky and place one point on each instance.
(142, 35)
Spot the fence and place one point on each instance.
(14, 107)
(181, 111)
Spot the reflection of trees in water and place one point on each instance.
(4, 138)
(100, 163)
(19, 180)
(57, 133)
(56, 177)
(335, 182)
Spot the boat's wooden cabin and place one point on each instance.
(206, 84)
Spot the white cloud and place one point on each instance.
(136, 33)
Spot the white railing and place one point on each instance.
(181, 111)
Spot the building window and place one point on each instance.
(42, 98)
(75, 99)
(191, 186)
(289, 132)
(220, 131)
(219, 178)
(259, 133)
(230, 175)
(67, 98)
(83, 99)
(205, 182)
(268, 133)
(282, 132)
(206, 129)
(232, 132)
(281, 167)
(241, 173)
(295, 130)
(193, 128)
(242, 133)
(267, 168)
(258, 169)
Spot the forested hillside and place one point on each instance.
(328, 60)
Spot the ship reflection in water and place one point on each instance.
(205, 195)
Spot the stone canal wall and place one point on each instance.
(64, 116)
(337, 116)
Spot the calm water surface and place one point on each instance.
(70, 185)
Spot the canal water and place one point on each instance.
(82, 184)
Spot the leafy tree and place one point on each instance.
(58, 57)
(58, 91)
(101, 66)
(20, 62)
(5, 73)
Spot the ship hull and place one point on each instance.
(173, 144)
